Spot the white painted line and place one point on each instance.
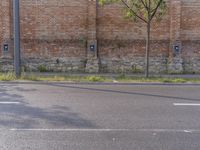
(9, 102)
(114, 130)
(81, 130)
(186, 104)
(188, 131)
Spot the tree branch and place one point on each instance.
(155, 10)
(133, 11)
(144, 4)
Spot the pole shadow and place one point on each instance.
(124, 92)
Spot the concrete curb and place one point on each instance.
(100, 83)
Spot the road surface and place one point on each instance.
(55, 116)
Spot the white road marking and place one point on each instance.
(9, 102)
(113, 130)
(187, 131)
(82, 130)
(186, 104)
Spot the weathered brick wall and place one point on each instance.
(190, 35)
(57, 35)
(122, 42)
(54, 31)
(6, 62)
(53, 34)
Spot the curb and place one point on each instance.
(100, 83)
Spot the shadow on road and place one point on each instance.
(124, 92)
(24, 115)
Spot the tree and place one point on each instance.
(146, 11)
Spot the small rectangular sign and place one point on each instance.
(92, 48)
(5, 47)
(177, 49)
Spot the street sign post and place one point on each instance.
(16, 21)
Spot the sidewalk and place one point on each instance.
(189, 76)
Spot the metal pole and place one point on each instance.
(16, 21)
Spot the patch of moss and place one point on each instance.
(42, 68)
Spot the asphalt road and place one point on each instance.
(99, 117)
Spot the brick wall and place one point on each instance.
(122, 42)
(54, 32)
(57, 35)
(190, 35)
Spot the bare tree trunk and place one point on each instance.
(147, 49)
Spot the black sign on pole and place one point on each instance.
(16, 21)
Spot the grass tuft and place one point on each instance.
(10, 76)
(95, 79)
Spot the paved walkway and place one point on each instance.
(116, 75)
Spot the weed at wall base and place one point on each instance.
(10, 76)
